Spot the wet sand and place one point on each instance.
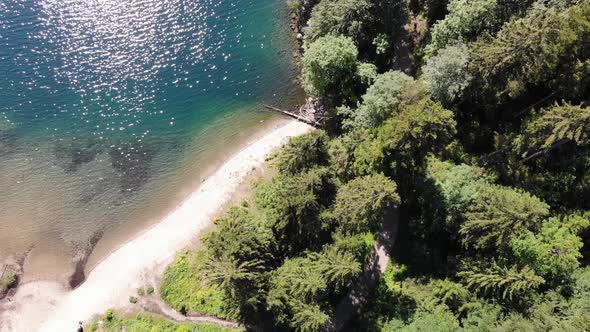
(48, 306)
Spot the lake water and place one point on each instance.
(112, 111)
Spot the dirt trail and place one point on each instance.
(359, 294)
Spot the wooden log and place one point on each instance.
(293, 115)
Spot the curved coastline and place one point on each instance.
(48, 307)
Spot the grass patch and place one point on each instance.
(183, 289)
(113, 322)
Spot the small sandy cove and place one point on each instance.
(46, 306)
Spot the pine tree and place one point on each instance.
(502, 281)
(363, 202)
(498, 213)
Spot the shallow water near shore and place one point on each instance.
(113, 111)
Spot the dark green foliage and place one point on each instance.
(238, 253)
(498, 213)
(303, 153)
(292, 205)
(364, 202)
(402, 143)
(546, 48)
(341, 151)
(301, 287)
(339, 17)
(550, 156)
(463, 156)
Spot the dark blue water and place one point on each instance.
(107, 107)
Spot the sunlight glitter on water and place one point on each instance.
(106, 106)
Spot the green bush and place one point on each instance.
(183, 289)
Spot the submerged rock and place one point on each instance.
(72, 154)
(132, 163)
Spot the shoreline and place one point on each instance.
(49, 307)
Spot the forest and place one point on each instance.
(463, 124)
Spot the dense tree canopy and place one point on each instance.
(401, 144)
(546, 48)
(382, 100)
(480, 148)
(329, 66)
(303, 153)
(466, 19)
(364, 202)
(350, 18)
(498, 213)
(447, 75)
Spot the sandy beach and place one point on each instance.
(46, 306)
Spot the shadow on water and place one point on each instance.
(72, 154)
(8, 139)
(132, 163)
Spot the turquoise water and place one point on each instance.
(111, 110)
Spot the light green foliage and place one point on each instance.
(436, 321)
(499, 213)
(339, 17)
(459, 185)
(364, 202)
(553, 252)
(501, 281)
(452, 294)
(303, 153)
(447, 75)
(360, 245)
(381, 43)
(113, 322)
(183, 289)
(466, 19)
(301, 286)
(381, 101)
(329, 65)
(309, 318)
(292, 205)
(367, 73)
(542, 48)
(577, 222)
(402, 143)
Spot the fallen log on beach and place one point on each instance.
(309, 121)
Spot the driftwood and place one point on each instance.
(309, 121)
